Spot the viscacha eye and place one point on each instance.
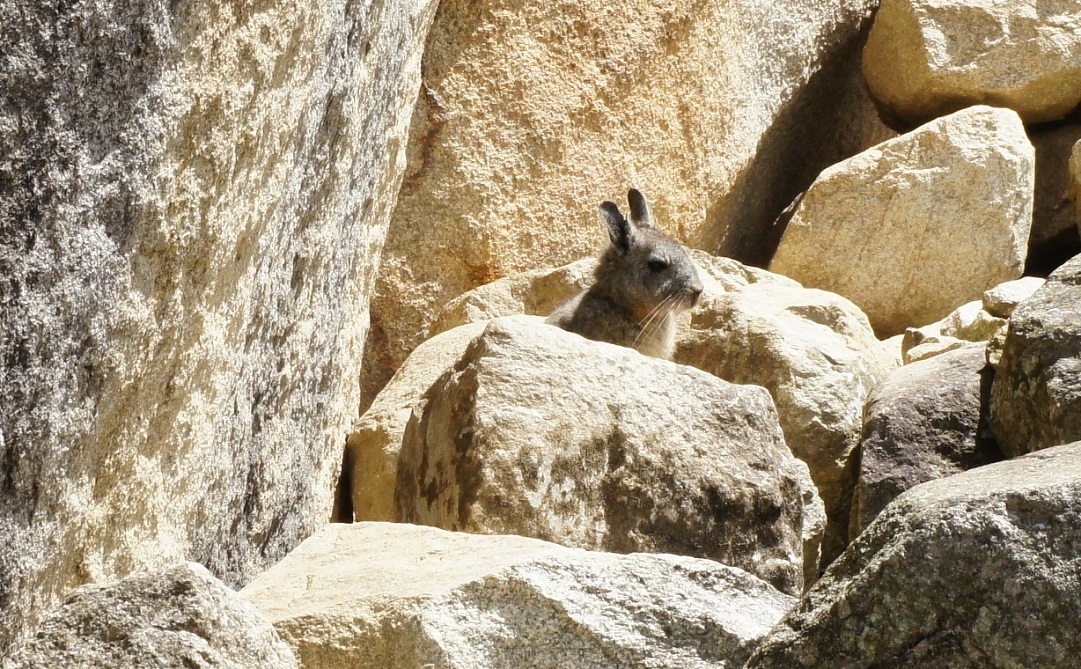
(657, 265)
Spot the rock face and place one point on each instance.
(532, 113)
(1075, 180)
(928, 58)
(816, 354)
(417, 597)
(178, 617)
(927, 420)
(975, 570)
(1036, 397)
(373, 446)
(543, 433)
(193, 199)
(1001, 300)
(920, 224)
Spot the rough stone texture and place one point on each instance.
(533, 113)
(542, 433)
(977, 570)
(193, 197)
(928, 58)
(373, 445)
(176, 618)
(415, 597)
(971, 323)
(1001, 300)
(538, 292)
(816, 354)
(927, 420)
(534, 293)
(1036, 397)
(920, 224)
(1054, 238)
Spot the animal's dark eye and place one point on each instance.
(657, 265)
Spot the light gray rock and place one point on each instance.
(817, 355)
(920, 224)
(928, 58)
(193, 200)
(972, 571)
(373, 445)
(415, 597)
(542, 433)
(176, 618)
(1036, 397)
(927, 420)
(1001, 300)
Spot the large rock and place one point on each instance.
(542, 433)
(372, 447)
(976, 570)
(1075, 180)
(816, 354)
(193, 199)
(1036, 397)
(920, 224)
(927, 420)
(533, 113)
(371, 459)
(927, 58)
(180, 617)
(415, 597)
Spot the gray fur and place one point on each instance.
(642, 281)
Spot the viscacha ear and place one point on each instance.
(640, 215)
(619, 229)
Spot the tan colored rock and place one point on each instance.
(376, 439)
(542, 433)
(928, 58)
(1001, 300)
(415, 597)
(534, 293)
(931, 346)
(532, 113)
(194, 198)
(816, 354)
(972, 323)
(920, 224)
(538, 292)
(180, 616)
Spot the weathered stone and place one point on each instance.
(1036, 397)
(928, 58)
(1054, 238)
(533, 113)
(971, 323)
(372, 447)
(535, 293)
(179, 617)
(930, 346)
(538, 292)
(919, 224)
(1001, 300)
(816, 354)
(415, 597)
(542, 433)
(927, 420)
(976, 570)
(193, 199)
